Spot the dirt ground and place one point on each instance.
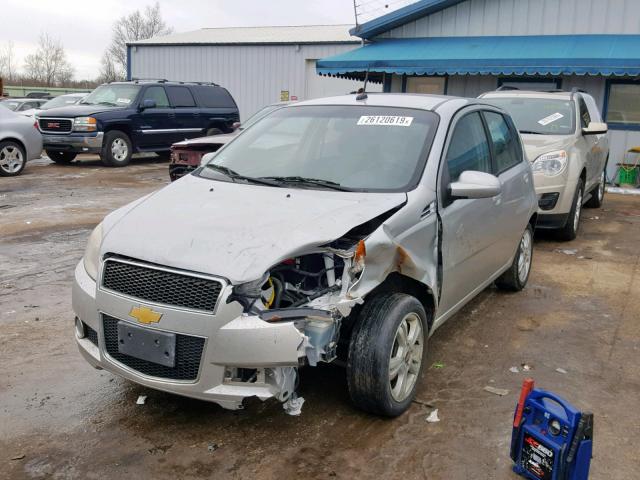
(60, 418)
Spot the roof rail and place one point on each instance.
(159, 80)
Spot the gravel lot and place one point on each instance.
(62, 419)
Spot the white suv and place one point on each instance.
(567, 143)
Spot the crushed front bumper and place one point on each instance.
(74, 142)
(232, 340)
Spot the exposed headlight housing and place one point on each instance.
(551, 164)
(91, 257)
(84, 124)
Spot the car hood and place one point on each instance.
(77, 111)
(210, 140)
(237, 231)
(536, 145)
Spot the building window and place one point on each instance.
(429, 85)
(623, 105)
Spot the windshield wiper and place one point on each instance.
(310, 181)
(233, 175)
(111, 104)
(530, 132)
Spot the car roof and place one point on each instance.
(403, 100)
(559, 94)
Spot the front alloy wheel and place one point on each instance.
(386, 353)
(12, 159)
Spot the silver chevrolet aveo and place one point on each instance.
(344, 228)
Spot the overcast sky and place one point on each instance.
(84, 27)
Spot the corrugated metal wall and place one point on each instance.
(526, 17)
(531, 17)
(254, 74)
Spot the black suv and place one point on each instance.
(120, 118)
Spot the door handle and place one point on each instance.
(171, 115)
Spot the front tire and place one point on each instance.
(12, 159)
(570, 230)
(515, 279)
(597, 195)
(386, 354)
(116, 149)
(61, 158)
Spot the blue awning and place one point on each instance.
(521, 55)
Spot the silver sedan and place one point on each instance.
(20, 141)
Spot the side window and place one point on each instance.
(210, 96)
(505, 142)
(180, 97)
(594, 112)
(468, 149)
(158, 95)
(585, 118)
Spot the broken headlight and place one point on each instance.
(91, 257)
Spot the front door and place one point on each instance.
(155, 127)
(588, 145)
(470, 247)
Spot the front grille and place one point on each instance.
(188, 354)
(55, 125)
(91, 334)
(161, 286)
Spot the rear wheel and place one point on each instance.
(164, 155)
(63, 158)
(116, 149)
(213, 131)
(12, 159)
(386, 354)
(570, 230)
(515, 279)
(597, 194)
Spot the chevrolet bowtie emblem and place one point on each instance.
(145, 315)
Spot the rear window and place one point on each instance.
(180, 97)
(213, 97)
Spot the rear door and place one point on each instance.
(188, 121)
(155, 128)
(510, 167)
(471, 248)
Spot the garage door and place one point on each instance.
(317, 86)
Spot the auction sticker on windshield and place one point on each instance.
(385, 120)
(123, 100)
(550, 119)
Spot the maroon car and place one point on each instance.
(187, 155)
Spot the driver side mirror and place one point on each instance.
(148, 103)
(472, 184)
(595, 128)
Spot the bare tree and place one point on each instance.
(48, 64)
(7, 62)
(129, 28)
(108, 70)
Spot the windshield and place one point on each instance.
(61, 101)
(115, 95)
(11, 104)
(259, 114)
(345, 147)
(544, 116)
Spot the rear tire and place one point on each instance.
(116, 149)
(12, 159)
(597, 194)
(165, 155)
(61, 158)
(386, 354)
(515, 279)
(570, 230)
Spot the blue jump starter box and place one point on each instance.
(551, 440)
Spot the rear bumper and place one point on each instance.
(78, 143)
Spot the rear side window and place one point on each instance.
(158, 95)
(468, 149)
(181, 97)
(210, 96)
(505, 143)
